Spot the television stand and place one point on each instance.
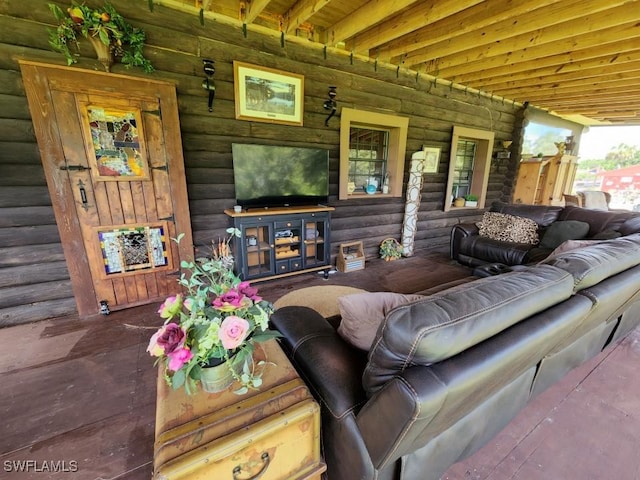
(280, 241)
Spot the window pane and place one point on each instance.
(368, 150)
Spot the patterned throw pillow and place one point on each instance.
(509, 228)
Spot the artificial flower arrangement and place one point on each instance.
(218, 319)
(104, 24)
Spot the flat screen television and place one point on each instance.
(275, 176)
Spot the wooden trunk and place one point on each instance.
(273, 433)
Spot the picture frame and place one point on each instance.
(268, 95)
(431, 159)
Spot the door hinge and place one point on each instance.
(164, 167)
(177, 273)
(170, 218)
(78, 168)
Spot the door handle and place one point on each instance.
(83, 195)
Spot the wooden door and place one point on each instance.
(112, 154)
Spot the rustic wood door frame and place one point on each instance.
(41, 81)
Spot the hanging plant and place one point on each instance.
(105, 28)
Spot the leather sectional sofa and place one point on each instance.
(447, 372)
(470, 248)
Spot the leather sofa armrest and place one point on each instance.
(330, 366)
(458, 232)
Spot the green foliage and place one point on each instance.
(218, 318)
(390, 249)
(619, 157)
(124, 40)
(471, 197)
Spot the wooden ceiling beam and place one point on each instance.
(576, 77)
(473, 18)
(587, 94)
(364, 17)
(480, 45)
(253, 9)
(624, 35)
(604, 57)
(425, 13)
(300, 12)
(586, 85)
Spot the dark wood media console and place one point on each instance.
(281, 241)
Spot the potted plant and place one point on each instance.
(470, 200)
(110, 34)
(210, 331)
(390, 249)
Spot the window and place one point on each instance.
(469, 164)
(372, 151)
(463, 173)
(368, 154)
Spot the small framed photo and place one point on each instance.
(267, 95)
(431, 159)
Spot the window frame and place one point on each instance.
(481, 164)
(397, 128)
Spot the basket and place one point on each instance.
(350, 257)
(391, 245)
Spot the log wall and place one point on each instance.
(34, 281)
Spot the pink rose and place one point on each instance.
(178, 358)
(171, 306)
(228, 301)
(233, 331)
(167, 339)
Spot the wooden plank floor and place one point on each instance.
(80, 395)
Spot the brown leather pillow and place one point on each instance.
(362, 314)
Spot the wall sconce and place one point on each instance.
(208, 83)
(503, 154)
(330, 104)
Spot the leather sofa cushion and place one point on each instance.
(630, 226)
(598, 220)
(590, 265)
(491, 251)
(541, 214)
(445, 324)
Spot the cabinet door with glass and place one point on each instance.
(257, 250)
(288, 241)
(316, 240)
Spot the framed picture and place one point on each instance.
(267, 95)
(431, 159)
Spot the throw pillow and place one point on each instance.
(572, 245)
(508, 228)
(362, 314)
(559, 232)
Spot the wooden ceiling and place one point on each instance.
(576, 58)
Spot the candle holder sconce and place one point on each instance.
(208, 83)
(330, 104)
